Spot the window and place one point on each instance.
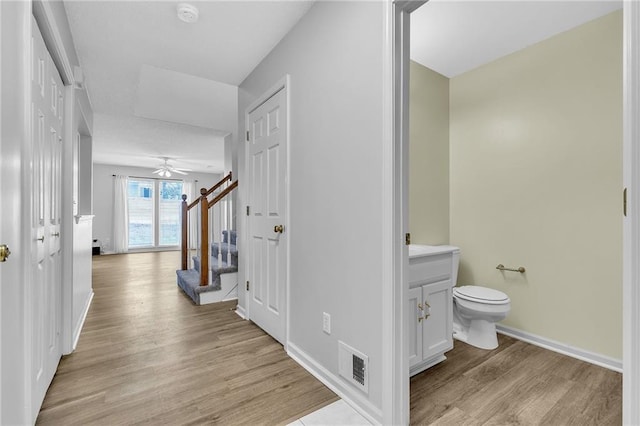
(154, 213)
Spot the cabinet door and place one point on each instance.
(414, 325)
(437, 333)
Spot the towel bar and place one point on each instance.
(501, 267)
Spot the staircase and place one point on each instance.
(207, 228)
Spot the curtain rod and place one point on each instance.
(152, 178)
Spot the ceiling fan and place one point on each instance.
(166, 169)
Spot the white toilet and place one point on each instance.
(476, 310)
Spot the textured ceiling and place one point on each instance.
(145, 69)
(452, 37)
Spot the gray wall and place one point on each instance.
(103, 195)
(334, 59)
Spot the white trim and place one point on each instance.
(283, 84)
(562, 348)
(78, 328)
(631, 223)
(2, 241)
(395, 360)
(396, 364)
(51, 34)
(241, 312)
(341, 388)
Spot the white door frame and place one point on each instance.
(631, 172)
(15, 91)
(631, 226)
(2, 166)
(282, 84)
(51, 33)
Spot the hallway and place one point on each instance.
(148, 355)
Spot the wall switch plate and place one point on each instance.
(326, 323)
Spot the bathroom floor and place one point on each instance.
(517, 383)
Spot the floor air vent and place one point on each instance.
(354, 366)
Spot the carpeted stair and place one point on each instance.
(189, 280)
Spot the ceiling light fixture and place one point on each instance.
(187, 13)
(165, 169)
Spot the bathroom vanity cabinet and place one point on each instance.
(430, 308)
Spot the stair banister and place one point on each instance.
(186, 208)
(206, 223)
(219, 184)
(204, 238)
(185, 233)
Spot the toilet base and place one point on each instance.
(480, 333)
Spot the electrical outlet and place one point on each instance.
(326, 323)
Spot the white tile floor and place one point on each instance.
(338, 413)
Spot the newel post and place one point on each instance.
(185, 241)
(204, 237)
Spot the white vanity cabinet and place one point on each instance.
(430, 306)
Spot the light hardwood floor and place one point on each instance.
(515, 384)
(147, 355)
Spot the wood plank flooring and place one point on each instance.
(515, 384)
(147, 355)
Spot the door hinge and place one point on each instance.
(247, 285)
(247, 136)
(407, 238)
(247, 210)
(624, 202)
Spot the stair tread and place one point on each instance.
(190, 279)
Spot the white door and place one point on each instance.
(47, 122)
(267, 257)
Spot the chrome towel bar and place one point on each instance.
(501, 267)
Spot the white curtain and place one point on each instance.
(120, 214)
(189, 188)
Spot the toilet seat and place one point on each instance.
(474, 293)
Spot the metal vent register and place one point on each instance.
(358, 369)
(353, 366)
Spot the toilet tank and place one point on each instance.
(455, 263)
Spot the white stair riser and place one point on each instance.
(229, 290)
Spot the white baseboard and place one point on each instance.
(81, 320)
(562, 348)
(351, 396)
(241, 312)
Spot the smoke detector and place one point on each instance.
(187, 13)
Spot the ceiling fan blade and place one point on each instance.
(180, 168)
(157, 171)
(179, 172)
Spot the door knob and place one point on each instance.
(41, 239)
(4, 253)
(278, 228)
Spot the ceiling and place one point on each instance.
(452, 37)
(160, 87)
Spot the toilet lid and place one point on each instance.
(479, 294)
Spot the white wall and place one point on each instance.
(103, 195)
(76, 230)
(334, 59)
